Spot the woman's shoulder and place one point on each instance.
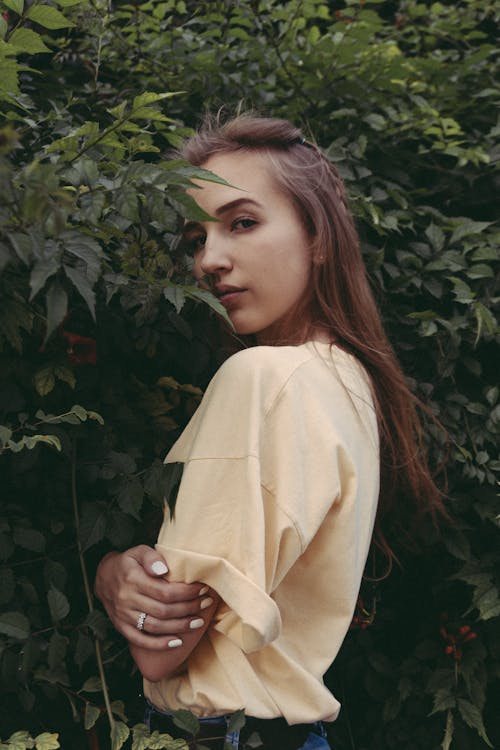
(281, 362)
(270, 359)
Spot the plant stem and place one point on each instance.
(88, 591)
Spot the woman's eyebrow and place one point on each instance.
(236, 204)
(189, 226)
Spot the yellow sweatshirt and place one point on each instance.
(275, 511)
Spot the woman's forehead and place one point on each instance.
(248, 174)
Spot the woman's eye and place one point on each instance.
(243, 223)
(195, 243)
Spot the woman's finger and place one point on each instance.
(150, 642)
(149, 559)
(154, 627)
(165, 611)
(137, 580)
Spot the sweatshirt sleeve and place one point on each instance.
(260, 474)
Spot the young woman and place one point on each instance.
(254, 580)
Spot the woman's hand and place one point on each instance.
(132, 582)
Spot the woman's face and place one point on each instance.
(257, 254)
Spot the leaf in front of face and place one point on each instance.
(203, 295)
(188, 170)
(188, 208)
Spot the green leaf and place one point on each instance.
(80, 412)
(16, 5)
(98, 623)
(150, 97)
(458, 545)
(30, 539)
(5, 434)
(130, 497)
(140, 737)
(127, 202)
(15, 625)
(118, 709)
(92, 713)
(186, 721)
(95, 416)
(47, 741)
(188, 170)
(27, 40)
(81, 283)
(57, 307)
(119, 735)
(7, 585)
(33, 440)
(122, 463)
(48, 17)
(188, 208)
(175, 294)
(42, 271)
(483, 318)
(488, 603)
(44, 381)
(236, 721)
(92, 685)
(443, 700)
(376, 121)
(19, 741)
(57, 650)
(66, 375)
(203, 295)
(436, 236)
(92, 525)
(466, 228)
(58, 604)
(472, 717)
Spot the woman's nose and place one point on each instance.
(214, 256)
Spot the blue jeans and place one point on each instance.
(316, 739)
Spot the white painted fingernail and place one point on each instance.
(175, 643)
(159, 568)
(195, 624)
(206, 602)
(203, 591)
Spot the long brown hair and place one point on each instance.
(340, 301)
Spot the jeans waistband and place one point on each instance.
(275, 733)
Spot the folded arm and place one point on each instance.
(177, 614)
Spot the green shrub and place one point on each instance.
(104, 345)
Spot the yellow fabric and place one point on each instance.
(275, 511)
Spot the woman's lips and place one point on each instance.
(229, 298)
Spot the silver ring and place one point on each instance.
(140, 621)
